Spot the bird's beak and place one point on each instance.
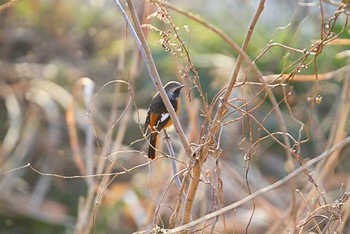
(182, 86)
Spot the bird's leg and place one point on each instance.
(166, 136)
(167, 141)
(171, 151)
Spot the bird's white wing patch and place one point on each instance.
(164, 116)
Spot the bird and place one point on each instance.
(158, 117)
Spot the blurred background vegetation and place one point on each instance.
(48, 46)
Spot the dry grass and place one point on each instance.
(262, 149)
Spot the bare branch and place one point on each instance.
(273, 186)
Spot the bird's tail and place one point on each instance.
(153, 144)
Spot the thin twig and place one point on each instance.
(217, 120)
(7, 5)
(273, 186)
(152, 70)
(171, 151)
(235, 72)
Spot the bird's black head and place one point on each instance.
(173, 89)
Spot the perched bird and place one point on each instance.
(158, 117)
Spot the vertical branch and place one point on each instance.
(183, 228)
(88, 88)
(216, 126)
(15, 119)
(7, 5)
(338, 132)
(235, 72)
(171, 151)
(73, 135)
(153, 72)
(192, 190)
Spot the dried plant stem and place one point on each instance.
(217, 123)
(153, 72)
(219, 32)
(123, 124)
(235, 72)
(82, 225)
(338, 132)
(12, 136)
(269, 92)
(243, 55)
(171, 151)
(174, 217)
(7, 5)
(73, 137)
(115, 146)
(273, 186)
(85, 216)
(192, 189)
(324, 169)
(307, 78)
(210, 26)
